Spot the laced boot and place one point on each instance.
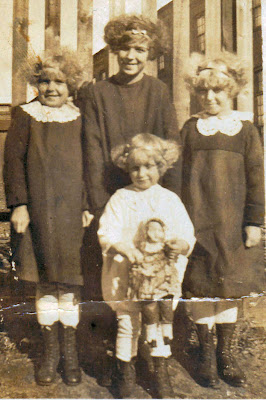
(227, 365)
(161, 377)
(126, 378)
(207, 368)
(47, 372)
(72, 373)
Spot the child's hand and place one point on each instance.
(175, 247)
(134, 255)
(20, 219)
(253, 235)
(87, 217)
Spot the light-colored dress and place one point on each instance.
(120, 222)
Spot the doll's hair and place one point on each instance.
(164, 152)
(226, 71)
(125, 29)
(64, 59)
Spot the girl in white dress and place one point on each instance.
(146, 158)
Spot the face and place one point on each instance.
(132, 58)
(215, 101)
(53, 89)
(143, 171)
(155, 232)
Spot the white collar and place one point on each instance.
(41, 113)
(229, 125)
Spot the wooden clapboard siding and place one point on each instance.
(20, 48)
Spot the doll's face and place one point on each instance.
(132, 58)
(155, 232)
(143, 170)
(53, 89)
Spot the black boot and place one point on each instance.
(227, 365)
(207, 368)
(47, 372)
(72, 373)
(126, 378)
(161, 378)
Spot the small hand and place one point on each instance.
(253, 236)
(87, 217)
(133, 254)
(20, 219)
(175, 247)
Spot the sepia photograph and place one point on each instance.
(132, 199)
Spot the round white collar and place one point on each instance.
(229, 125)
(41, 113)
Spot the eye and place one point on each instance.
(217, 90)
(59, 81)
(44, 81)
(141, 49)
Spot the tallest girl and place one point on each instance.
(125, 104)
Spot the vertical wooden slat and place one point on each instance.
(36, 35)
(85, 23)
(181, 35)
(6, 34)
(20, 47)
(133, 7)
(52, 22)
(116, 7)
(213, 27)
(149, 10)
(245, 49)
(69, 24)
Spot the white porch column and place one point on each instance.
(85, 22)
(36, 35)
(213, 27)
(149, 10)
(69, 24)
(245, 49)
(181, 52)
(6, 34)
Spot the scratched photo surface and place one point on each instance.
(132, 199)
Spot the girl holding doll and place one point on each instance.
(44, 189)
(222, 190)
(145, 158)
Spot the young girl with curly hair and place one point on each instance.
(44, 189)
(145, 158)
(222, 189)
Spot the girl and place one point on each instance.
(125, 104)
(223, 192)
(146, 158)
(43, 181)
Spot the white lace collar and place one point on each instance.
(41, 113)
(229, 125)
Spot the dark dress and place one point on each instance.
(222, 190)
(43, 169)
(113, 113)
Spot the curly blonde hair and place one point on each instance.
(164, 152)
(64, 59)
(116, 36)
(226, 71)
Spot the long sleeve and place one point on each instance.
(111, 223)
(172, 178)
(180, 223)
(254, 211)
(93, 153)
(15, 174)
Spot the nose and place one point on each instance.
(131, 53)
(51, 86)
(141, 171)
(210, 94)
